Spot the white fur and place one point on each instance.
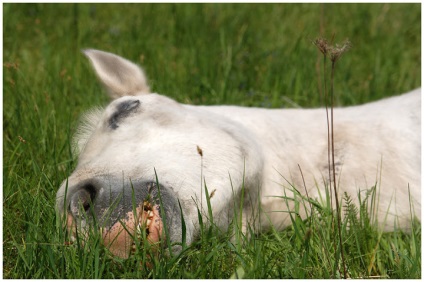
(376, 144)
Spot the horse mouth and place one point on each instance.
(149, 228)
(126, 235)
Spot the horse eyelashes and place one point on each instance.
(123, 110)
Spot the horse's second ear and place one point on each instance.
(120, 76)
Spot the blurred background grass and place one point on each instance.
(245, 54)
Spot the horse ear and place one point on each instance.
(120, 76)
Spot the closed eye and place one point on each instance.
(123, 110)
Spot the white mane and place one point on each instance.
(87, 125)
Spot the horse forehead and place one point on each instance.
(154, 112)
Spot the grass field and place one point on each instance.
(244, 54)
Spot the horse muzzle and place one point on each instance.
(123, 211)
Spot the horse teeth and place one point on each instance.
(147, 206)
(149, 221)
(150, 214)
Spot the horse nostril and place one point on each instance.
(82, 199)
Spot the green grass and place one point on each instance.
(244, 54)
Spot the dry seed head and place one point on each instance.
(21, 139)
(212, 194)
(199, 151)
(337, 51)
(322, 45)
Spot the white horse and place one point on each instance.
(144, 141)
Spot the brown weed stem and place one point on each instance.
(335, 53)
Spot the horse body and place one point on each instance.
(375, 144)
(144, 147)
